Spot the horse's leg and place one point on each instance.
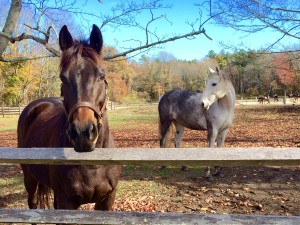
(165, 126)
(211, 138)
(63, 202)
(177, 141)
(107, 203)
(221, 136)
(31, 186)
(178, 134)
(55, 202)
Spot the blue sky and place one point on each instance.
(185, 49)
(196, 48)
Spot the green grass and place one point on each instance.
(12, 190)
(119, 118)
(144, 180)
(8, 123)
(131, 116)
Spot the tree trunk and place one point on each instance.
(11, 23)
(284, 94)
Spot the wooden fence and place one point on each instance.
(9, 110)
(153, 156)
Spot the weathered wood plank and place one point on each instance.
(155, 156)
(105, 217)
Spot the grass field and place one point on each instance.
(129, 116)
(8, 123)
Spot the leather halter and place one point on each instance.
(96, 110)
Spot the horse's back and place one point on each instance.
(183, 107)
(178, 98)
(38, 121)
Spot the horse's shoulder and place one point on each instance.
(38, 118)
(46, 107)
(37, 107)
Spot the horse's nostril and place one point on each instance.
(92, 131)
(73, 131)
(202, 104)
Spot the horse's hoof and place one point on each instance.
(162, 168)
(217, 174)
(209, 179)
(217, 171)
(184, 168)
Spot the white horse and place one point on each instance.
(212, 110)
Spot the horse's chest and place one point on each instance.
(220, 119)
(81, 183)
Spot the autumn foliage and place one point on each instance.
(283, 69)
(147, 78)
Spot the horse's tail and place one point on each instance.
(159, 127)
(168, 137)
(165, 142)
(43, 196)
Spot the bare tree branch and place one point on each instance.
(158, 43)
(276, 8)
(20, 59)
(124, 13)
(32, 37)
(256, 15)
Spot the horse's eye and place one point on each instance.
(214, 84)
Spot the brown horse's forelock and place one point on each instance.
(76, 51)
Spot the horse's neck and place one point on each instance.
(229, 98)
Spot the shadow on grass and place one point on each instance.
(230, 175)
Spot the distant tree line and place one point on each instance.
(29, 31)
(259, 73)
(252, 74)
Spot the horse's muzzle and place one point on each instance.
(83, 136)
(205, 105)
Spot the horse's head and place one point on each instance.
(216, 87)
(83, 87)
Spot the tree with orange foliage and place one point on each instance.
(283, 69)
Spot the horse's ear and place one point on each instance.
(211, 70)
(96, 40)
(218, 69)
(65, 38)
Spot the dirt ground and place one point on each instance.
(248, 190)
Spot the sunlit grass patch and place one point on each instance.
(129, 117)
(8, 123)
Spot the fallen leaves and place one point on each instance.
(248, 190)
(140, 204)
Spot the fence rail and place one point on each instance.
(154, 156)
(9, 110)
(114, 217)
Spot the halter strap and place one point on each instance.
(98, 112)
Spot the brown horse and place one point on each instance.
(77, 120)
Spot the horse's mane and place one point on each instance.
(77, 50)
(225, 75)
